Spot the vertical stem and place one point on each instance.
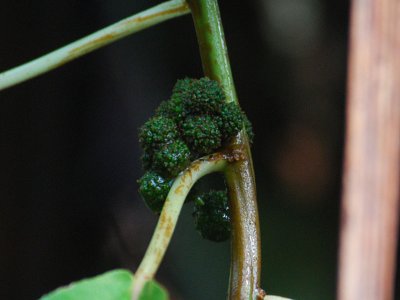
(246, 253)
(211, 40)
(370, 204)
(246, 245)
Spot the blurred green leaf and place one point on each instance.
(153, 291)
(113, 285)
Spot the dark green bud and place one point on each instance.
(183, 88)
(163, 110)
(154, 190)
(157, 131)
(211, 216)
(230, 121)
(172, 109)
(249, 128)
(203, 96)
(146, 160)
(201, 134)
(172, 158)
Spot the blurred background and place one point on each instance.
(69, 206)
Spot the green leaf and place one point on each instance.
(153, 291)
(113, 285)
(108, 286)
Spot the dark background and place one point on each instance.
(69, 206)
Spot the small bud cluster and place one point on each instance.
(194, 122)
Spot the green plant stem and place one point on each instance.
(169, 216)
(246, 253)
(103, 37)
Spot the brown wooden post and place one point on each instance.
(370, 204)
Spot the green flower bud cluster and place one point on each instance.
(154, 189)
(211, 216)
(194, 122)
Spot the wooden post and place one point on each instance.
(370, 204)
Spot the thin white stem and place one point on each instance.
(103, 37)
(169, 216)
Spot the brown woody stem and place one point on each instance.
(246, 253)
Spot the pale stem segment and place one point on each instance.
(169, 216)
(103, 37)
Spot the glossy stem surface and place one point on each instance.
(246, 253)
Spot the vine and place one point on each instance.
(233, 158)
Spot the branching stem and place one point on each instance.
(169, 216)
(246, 252)
(103, 37)
(246, 256)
